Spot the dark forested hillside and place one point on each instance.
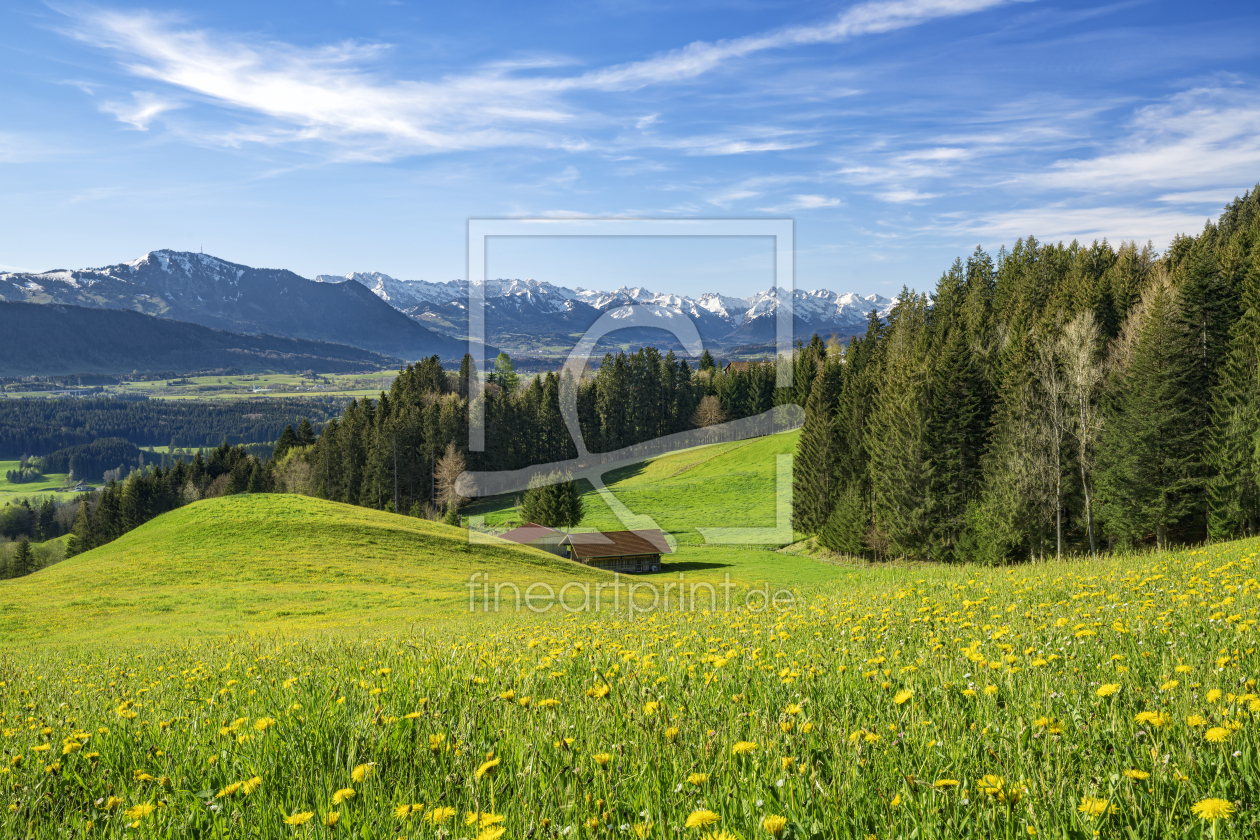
(51, 340)
(1056, 398)
(41, 426)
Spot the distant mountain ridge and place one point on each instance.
(216, 293)
(55, 340)
(535, 307)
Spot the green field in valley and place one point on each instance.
(253, 386)
(10, 492)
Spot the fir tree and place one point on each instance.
(814, 467)
(305, 433)
(845, 529)
(22, 559)
(1147, 483)
(288, 440)
(1234, 451)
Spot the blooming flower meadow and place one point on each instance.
(1109, 698)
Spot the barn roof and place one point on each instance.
(528, 533)
(617, 543)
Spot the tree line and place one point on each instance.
(397, 452)
(39, 426)
(1055, 399)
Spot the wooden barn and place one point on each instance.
(619, 551)
(537, 536)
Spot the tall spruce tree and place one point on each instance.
(1150, 446)
(1234, 452)
(814, 469)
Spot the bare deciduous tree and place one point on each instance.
(709, 413)
(1054, 422)
(446, 472)
(1083, 372)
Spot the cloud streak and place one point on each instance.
(328, 95)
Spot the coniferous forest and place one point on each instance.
(1048, 400)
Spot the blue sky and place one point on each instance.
(352, 136)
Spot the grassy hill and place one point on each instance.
(265, 563)
(726, 485)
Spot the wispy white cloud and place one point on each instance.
(1204, 137)
(141, 110)
(804, 203)
(328, 94)
(1063, 221)
(898, 196)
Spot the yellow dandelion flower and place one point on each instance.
(487, 768)
(701, 819)
(439, 815)
(598, 692)
(363, 771)
(743, 747)
(1107, 689)
(1151, 718)
(300, 818)
(331, 818)
(602, 759)
(945, 783)
(112, 803)
(774, 824)
(1170, 685)
(137, 812)
(251, 785)
(1216, 735)
(343, 795)
(402, 811)
(263, 723)
(230, 790)
(492, 833)
(672, 733)
(1195, 720)
(902, 696)
(1137, 775)
(697, 779)
(1212, 809)
(1093, 807)
(651, 707)
(1214, 695)
(792, 709)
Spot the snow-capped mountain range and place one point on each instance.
(410, 319)
(536, 307)
(206, 290)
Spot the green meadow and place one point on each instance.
(34, 490)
